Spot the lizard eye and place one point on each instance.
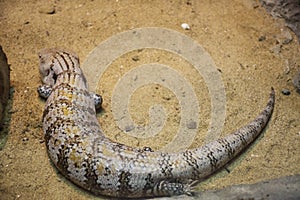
(47, 72)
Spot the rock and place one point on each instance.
(275, 189)
(285, 92)
(284, 37)
(47, 9)
(135, 58)
(262, 38)
(289, 10)
(185, 26)
(296, 82)
(4, 83)
(276, 49)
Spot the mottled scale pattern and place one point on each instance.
(81, 152)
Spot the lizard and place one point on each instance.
(80, 151)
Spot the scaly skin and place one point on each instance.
(81, 152)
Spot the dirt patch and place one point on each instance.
(251, 50)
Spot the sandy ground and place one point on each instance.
(251, 50)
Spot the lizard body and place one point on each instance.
(81, 152)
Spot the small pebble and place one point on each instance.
(284, 37)
(185, 26)
(135, 58)
(276, 49)
(262, 38)
(47, 9)
(192, 125)
(129, 128)
(285, 92)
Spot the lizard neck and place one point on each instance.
(72, 79)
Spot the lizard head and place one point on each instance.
(54, 62)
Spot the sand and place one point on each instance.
(250, 50)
